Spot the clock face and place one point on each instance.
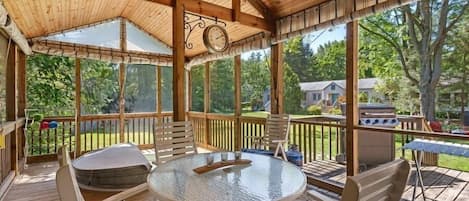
(215, 38)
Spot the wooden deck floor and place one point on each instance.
(37, 183)
(441, 183)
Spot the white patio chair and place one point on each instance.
(385, 182)
(67, 185)
(174, 140)
(277, 129)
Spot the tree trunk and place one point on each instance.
(427, 101)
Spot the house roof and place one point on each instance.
(367, 83)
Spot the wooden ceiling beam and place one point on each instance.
(236, 6)
(263, 9)
(220, 12)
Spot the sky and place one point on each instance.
(315, 38)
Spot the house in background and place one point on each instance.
(328, 92)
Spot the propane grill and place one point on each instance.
(374, 147)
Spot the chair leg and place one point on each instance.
(284, 154)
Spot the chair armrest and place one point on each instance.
(319, 196)
(128, 193)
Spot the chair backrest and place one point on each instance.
(277, 127)
(174, 140)
(385, 182)
(62, 156)
(65, 179)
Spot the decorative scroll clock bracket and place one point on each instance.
(197, 21)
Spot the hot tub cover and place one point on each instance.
(114, 168)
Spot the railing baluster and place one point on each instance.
(330, 142)
(322, 142)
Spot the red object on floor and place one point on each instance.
(436, 126)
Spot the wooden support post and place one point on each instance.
(21, 99)
(276, 80)
(77, 107)
(352, 98)
(207, 102)
(189, 90)
(237, 78)
(178, 61)
(122, 72)
(236, 6)
(10, 92)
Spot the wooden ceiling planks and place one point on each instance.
(286, 7)
(42, 17)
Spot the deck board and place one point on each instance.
(441, 183)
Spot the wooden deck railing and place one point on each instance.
(318, 138)
(96, 132)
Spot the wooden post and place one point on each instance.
(352, 98)
(207, 102)
(276, 80)
(77, 107)
(10, 92)
(237, 78)
(178, 61)
(236, 6)
(21, 99)
(430, 159)
(189, 91)
(122, 71)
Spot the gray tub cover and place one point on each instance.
(114, 168)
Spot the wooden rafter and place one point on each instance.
(220, 12)
(263, 10)
(236, 6)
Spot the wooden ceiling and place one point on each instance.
(42, 17)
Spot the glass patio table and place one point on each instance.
(266, 178)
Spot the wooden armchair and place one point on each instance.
(67, 185)
(385, 182)
(277, 128)
(174, 140)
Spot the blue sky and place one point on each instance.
(316, 38)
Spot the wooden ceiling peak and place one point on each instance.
(220, 12)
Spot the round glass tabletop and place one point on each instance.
(266, 178)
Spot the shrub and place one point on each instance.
(314, 110)
(336, 111)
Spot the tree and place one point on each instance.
(456, 68)
(297, 54)
(292, 90)
(222, 86)
(99, 87)
(255, 79)
(329, 61)
(417, 33)
(50, 82)
(197, 79)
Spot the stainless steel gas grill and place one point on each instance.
(374, 147)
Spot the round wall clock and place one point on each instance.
(215, 38)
